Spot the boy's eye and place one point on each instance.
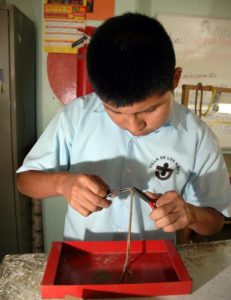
(150, 110)
(115, 112)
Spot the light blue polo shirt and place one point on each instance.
(183, 155)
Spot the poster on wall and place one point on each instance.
(63, 24)
(203, 50)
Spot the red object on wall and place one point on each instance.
(67, 73)
(62, 75)
(83, 85)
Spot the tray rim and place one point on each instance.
(183, 286)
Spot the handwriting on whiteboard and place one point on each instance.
(203, 50)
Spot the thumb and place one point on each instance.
(154, 195)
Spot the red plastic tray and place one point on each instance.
(93, 270)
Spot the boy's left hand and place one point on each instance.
(171, 213)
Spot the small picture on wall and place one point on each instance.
(96, 9)
(56, 1)
(88, 3)
(90, 6)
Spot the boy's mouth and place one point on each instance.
(141, 133)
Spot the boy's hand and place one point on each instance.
(84, 192)
(172, 213)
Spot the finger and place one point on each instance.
(102, 183)
(153, 195)
(87, 199)
(88, 191)
(98, 209)
(84, 206)
(162, 211)
(80, 209)
(99, 201)
(179, 224)
(168, 197)
(167, 220)
(172, 222)
(90, 200)
(98, 186)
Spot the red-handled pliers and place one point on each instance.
(151, 202)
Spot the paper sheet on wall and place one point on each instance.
(63, 24)
(220, 123)
(203, 50)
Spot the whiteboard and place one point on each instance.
(203, 50)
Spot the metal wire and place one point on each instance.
(125, 267)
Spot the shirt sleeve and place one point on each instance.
(209, 185)
(52, 150)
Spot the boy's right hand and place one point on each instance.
(84, 192)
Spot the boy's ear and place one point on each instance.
(176, 77)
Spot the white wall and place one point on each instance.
(47, 105)
(211, 8)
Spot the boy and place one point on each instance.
(130, 132)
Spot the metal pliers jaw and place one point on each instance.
(151, 202)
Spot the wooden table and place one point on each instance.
(209, 265)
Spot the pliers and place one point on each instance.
(151, 202)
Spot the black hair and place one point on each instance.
(129, 58)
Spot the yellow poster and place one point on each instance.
(63, 25)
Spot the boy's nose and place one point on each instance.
(135, 124)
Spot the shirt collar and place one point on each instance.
(172, 120)
(99, 107)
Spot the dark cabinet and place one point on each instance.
(17, 125)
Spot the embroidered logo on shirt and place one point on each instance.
(164, 167)
(163, 172)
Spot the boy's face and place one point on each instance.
(143, 117)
